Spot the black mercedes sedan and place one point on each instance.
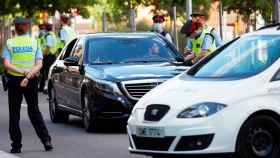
(102, 76)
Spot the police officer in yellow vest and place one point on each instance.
(23, 60)
(203, 39)
(50, 49)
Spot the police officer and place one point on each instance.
(41, 34)
(49, 51)
(157, 27)
(23, 60)
(203, 38)
(66, 33)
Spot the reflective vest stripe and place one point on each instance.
(23, 50)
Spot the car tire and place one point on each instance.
(259, 138)
(56, 115)
(89, 117)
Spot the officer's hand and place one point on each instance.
(30, 75)
(25, 72)
(190, 57)
(24, 82)
(187, 51)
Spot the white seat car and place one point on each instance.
(228, 103)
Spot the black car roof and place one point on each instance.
(122, 35)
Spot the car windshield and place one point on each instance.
(244, 57)
(129, 49)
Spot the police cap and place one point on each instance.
(158, 19)
(197, 14)
(187, 28)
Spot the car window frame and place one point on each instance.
(273, 79)
(62, 56)
(82, 50)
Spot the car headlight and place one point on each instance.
(201, 110)
(107, 86)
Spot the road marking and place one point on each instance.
(24, 105)
(7, 155)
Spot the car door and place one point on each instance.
(75, 76)
(59, 74)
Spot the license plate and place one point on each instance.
(150, 131)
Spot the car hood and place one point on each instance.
(122, 72)
(184, 91)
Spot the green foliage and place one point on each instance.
(247, 7)
(201, 6)
(30, 7)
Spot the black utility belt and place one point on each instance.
(11, 77)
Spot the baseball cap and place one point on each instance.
(188, 28)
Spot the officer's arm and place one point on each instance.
(188, 51)
(38, 63)
(48, 45)
(63, 36)
(10, 67)
(35, 69)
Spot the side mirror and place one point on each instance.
(71, 61)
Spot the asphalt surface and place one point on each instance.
(70, 139)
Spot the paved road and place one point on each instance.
(70, 140)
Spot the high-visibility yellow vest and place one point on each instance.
(197, 43)
(42, 41)
(54, 48)
(23, 51)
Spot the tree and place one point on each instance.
(31, 7)
(246, 8)
(201, 6)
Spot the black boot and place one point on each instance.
(48, 146)
(15, 150)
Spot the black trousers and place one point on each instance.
(47, 63)
(15, 96)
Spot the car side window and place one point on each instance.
(276, 77)
(78, 50)
(68, 49)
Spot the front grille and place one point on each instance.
(155, 112)
(137, 89)
(146, 143)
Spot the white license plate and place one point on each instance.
(150, 131)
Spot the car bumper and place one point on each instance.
(160, 154)
(110, 106)
(205, 136)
